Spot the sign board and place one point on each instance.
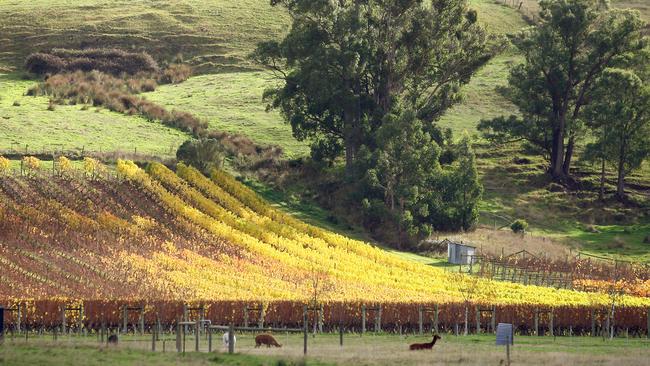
(505, 334)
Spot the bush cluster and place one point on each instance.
(111, 61)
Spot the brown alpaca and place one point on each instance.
(266, 339)
(419, 346)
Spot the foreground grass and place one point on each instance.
(325, 349)
(26, 124)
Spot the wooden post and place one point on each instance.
(466, 319)
(178, 337)
(158, 328)
(81, 318)
(245, 316)
(184, 318)
(102, 331)
(378, 319)
(231, 338)
(648, 325)
(305, 326)
(550, 314)
(420, 319)
(493, 321)
(435, 317)
(209, 330)
(197, 337)
(63, 320)
(341, 334)
(18, 318)
(153, 340)
(321, 316)
(141, 320)
(125, 314)
(536, 321)
(260, 321)
(593, 322)
(478, 320)
(363, 319)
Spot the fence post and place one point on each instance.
(245, 316)
(185, 317)
(141, 320)
(551, 323)
(305, 326)
(260, 322)
(153, 340)
(231, 338)
(435, 317)
(2, 325)
(493, 322)
(125, 316)
(363, 319)
(420, 320)
(209, 339)
(321, 317)
(648, 325)
(63, 320)
(197, 337)
(478, 320)
(18, 325)
(82, 330)
(536, 321)
(341, 334)
(378, 319)
(178, 337)
(593, 322)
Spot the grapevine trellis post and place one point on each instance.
(377, 312)
(318, 314)
(80, 313)
(492, 325)
(422, 310)
(261, 314)
(200, 316)
(539, 312)
(125, 317)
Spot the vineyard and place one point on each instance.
(160, 239)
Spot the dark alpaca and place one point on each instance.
(112, 339)
(419, 346)
(266, 339)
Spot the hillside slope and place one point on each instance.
(158, 235)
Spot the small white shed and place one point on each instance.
(459, 253)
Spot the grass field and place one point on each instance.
(26, 124)
(324, 349)
(232, 102)
(212, 35)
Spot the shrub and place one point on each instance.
(204, 154)
(519, 226)
(112, 61)
(175, 73)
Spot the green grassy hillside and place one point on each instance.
(209, 34)
(26, 124)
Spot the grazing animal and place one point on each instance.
(419, 346)
(225, 339)
(266, 339)
(112, 339)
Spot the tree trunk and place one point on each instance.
(620, 182)
(566, 167)
(557, 153)
(601, 194)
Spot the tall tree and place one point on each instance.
(406, 164)
(346, 63)
(575, 41)
(621, 110)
